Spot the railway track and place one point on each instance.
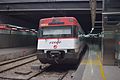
(55, 73)
(61, 78)
(10, 70)
(22, 76)
(8, 65)
(21, 69)
(36, 75)
(54, 76)
(14, 60)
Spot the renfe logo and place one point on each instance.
(55, 46)
(55, 42)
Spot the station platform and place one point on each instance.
(91, 67)
(12, 53)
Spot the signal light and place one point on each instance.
(71, 20)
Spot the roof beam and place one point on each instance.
(93, 11)
(45, 5)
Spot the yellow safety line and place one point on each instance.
(101, 68)
(95, 62)
(88, 62)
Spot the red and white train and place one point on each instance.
(58, 40)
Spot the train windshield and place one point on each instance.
(56, 32)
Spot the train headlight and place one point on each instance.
(71, 50)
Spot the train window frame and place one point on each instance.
(75, 31)
(40, 32)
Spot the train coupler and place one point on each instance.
(56, 56)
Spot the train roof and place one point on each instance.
(58, 21)
(58, 18)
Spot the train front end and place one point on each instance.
(58, 41)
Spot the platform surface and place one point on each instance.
(91, 67)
